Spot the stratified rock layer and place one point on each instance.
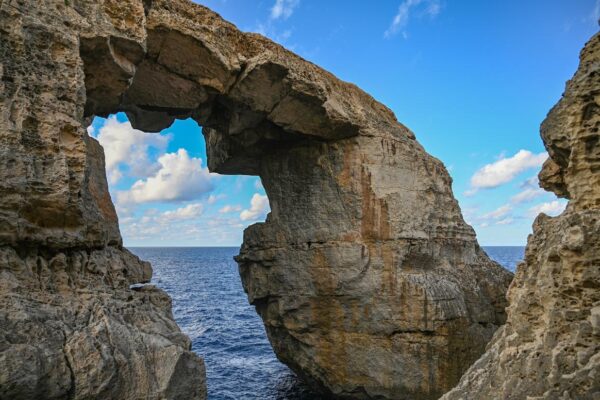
(550, 345)
(368, 280)
(70, 326)
(72, 329)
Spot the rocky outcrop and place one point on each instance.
(73, 329)
(70, 326)
(368, 280)
(550, 345)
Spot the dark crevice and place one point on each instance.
(147, 6)
(73, 388)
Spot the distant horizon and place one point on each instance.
(231, 247)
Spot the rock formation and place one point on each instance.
(550, 345)
(369, 282)
(70, 326)
(72, 329)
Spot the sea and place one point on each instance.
(211, 307)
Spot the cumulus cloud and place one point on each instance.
(500, 216)
(527, 195)
(430, 8)
(505, 221)
(179, 178)
(156, 224)
(530, 190)
(551, 208)
(498, 213)
(259, 207)
(127, 149)
(228, 209)
(506, 169)
(283, 8)
(212, 199)
(182, 214)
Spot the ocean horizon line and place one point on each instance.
(229, 247)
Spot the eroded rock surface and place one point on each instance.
(550, 345)
(71, 328)
(368, 280)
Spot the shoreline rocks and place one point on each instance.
(72, 329)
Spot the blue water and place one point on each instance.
(211, 307)
(507, 256)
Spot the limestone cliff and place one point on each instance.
(70, 326)
(368, 280)
(550, 345)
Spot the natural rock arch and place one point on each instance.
(368, 280)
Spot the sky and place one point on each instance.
(472, 79)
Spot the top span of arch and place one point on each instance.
(161, 60)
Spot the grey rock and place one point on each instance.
(70, 327)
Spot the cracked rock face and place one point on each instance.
(72, 328)
(368, 280)
(550, 345)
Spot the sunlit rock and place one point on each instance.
(368, 280)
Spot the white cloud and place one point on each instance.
(228, 209)
(270, 31)
(127, 148)
(165, 225)
(500, 216)
(506, 169)
(431, 8)
(114, 175)
(180, 178)
(182, 214)
(552, 208)
(527, 195)
(259, 207)
(212, 199)
(498, 213)
(283, 8)
(258, 185)
(531, 190)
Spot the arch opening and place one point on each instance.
(205, 213)
(365, 254)
(160, 179)
(237, 126)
